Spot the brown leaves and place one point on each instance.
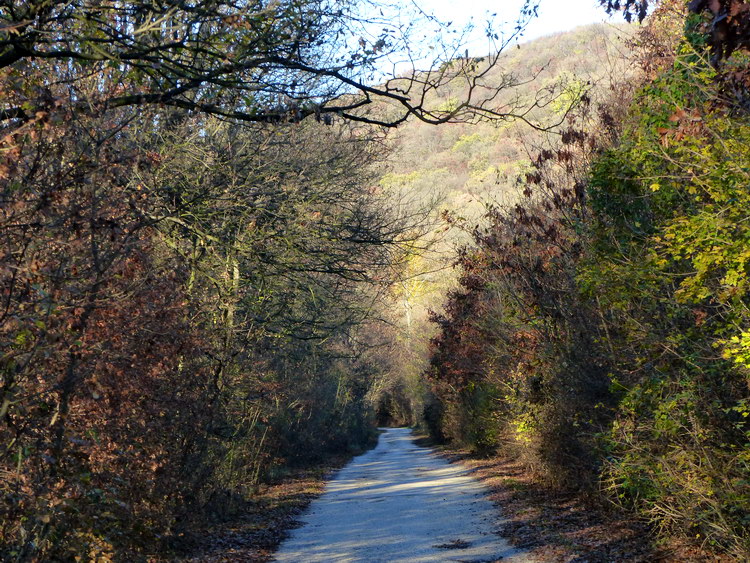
(688, 124)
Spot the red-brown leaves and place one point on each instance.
(729, 28)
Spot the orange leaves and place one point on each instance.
(680, 116)
(688, 125)
(739, 9)
(677, 116)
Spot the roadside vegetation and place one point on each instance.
(599, 329)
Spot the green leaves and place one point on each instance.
(680, 287)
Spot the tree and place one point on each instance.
(726, 24)
(180, 302)
(254, 61)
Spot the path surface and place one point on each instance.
(400, 502)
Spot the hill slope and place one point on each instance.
(466, 163)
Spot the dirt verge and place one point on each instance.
(569, 527)
(263, 523)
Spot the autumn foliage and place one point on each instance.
(179, 307)
(600, 328)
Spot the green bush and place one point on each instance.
(670, 269)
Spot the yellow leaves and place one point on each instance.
(524, 427)
(21, 338)
(655, 187)
(733, 277)
(466, 142)
(737, 349)
(392, 180)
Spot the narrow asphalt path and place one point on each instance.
(400, 502)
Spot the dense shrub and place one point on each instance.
(606, 316)
(670, 272)
(516, 363)
(178, 321)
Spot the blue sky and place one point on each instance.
(430, 43)
(554, 15)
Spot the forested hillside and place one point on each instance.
(599, 332)
(465, 163)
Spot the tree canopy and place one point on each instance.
(727, 22)
(253, 60)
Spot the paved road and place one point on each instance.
(400, 502)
